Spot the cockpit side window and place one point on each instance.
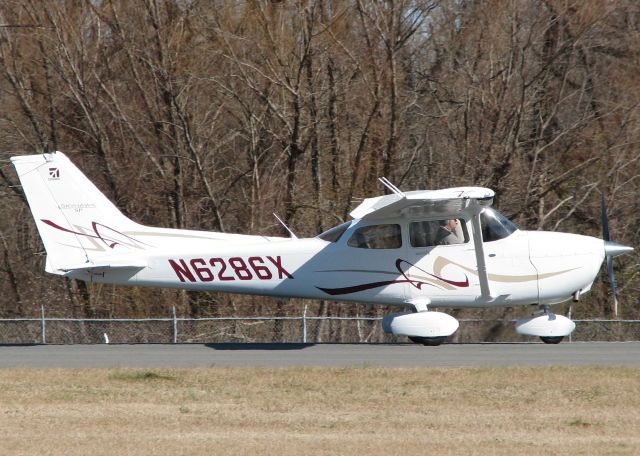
(429, 233)
(335, 233)
(387, 236)
(495, 226)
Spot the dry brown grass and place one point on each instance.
(359, 410)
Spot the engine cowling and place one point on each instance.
(420, 325)
(546, 325)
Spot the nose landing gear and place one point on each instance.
(549, 327)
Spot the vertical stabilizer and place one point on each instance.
(76, 221)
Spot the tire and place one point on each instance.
(551, 339)
(428, 341)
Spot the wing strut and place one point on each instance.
(479, 249)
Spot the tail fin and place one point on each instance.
(77, 223)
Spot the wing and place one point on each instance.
(450, 201)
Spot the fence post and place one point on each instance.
(304, 325)
(43, 324)
(175, 326)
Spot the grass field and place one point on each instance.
(352, 411)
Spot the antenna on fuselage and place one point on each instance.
(387, 183)
(293, 236)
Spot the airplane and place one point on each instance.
(423, 250)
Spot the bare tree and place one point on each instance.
(214, 116)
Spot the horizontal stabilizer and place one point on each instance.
(103, 265)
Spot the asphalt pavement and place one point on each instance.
(321, 355)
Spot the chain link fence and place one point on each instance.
(303, 329)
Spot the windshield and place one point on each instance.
(495, 226)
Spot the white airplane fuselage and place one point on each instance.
(524, 267)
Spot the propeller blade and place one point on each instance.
(604, 219)
(611, 249)
(612, 283)
(612, 280)
(606, 236)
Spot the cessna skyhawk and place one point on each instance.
(421, 249)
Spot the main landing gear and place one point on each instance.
(422, 327)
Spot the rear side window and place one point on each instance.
(335, 233)
(386, 236)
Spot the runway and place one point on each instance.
(321, 355)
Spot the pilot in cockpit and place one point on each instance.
(446, 234)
